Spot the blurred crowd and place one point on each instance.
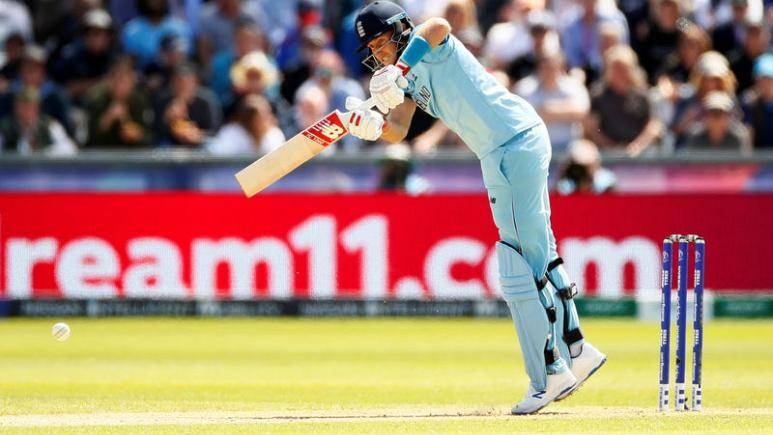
(239, 76)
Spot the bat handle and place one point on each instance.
(368, 104)
(353, 103)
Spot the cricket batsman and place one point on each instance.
(441, 77)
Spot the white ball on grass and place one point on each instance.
(60, 331)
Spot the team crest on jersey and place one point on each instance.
(327, 130)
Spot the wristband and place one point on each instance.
(415, 51)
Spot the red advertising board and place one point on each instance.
(189, 245)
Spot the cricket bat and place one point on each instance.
(293, 153)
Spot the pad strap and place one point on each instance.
(565, 293)
(572, 336)
(551, 355)
(555, 263)
(568, 293)
(551, 312)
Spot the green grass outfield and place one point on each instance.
(195, 375)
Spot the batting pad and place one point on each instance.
(531, 322)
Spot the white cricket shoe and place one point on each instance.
(557, 384)
(584, 365)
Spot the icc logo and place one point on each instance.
(665, 257)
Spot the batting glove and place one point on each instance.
(384, 89)
(363, 123)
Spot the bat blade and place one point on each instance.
(293, 153)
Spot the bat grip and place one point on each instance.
(368, 104)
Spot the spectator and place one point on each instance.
(661, 35)
(158, 73)
(421, 10)
(621, 113)
(693, 41)
(701, 12)
(254, 130)
(247, 39)
(610, 35)
(280, 20)
(187, 112)
(290, 52)
(142, 35)
(723, 11)
(84, 62)
(119, 110)
(313, 40)
(567, 11)
(489, 13)
(560, 99)
(397, 171)
(126, 10)
(581, 38)
(636, 14)
(334, 12)
(544, 39)
(583, 172)
(328, 75)
(758, 107)
(509, 39)
(32, 73)
(462, 17)
(217, 24)
(717, 130)
(256, 74)
(672, 83)
(27, 130)
(14, 53)
(726, 37)
(396, 166)
(60, 23)
(711, 73)
(15, 19)
(310, 106)
(756, 42)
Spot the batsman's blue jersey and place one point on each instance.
(513, 146)
(450, 84)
